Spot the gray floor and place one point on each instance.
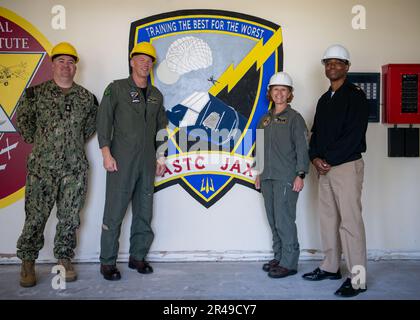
(392, 279)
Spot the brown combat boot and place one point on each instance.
(27, 274)
(71, 274)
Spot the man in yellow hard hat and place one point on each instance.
(130, 116)
(64, 48)
(57, 117)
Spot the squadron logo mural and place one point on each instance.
(213, 69)
(22, 63)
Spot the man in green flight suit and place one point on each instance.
(130, 116)
(57, 117)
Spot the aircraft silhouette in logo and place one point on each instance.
(213, 80)
(7, 73)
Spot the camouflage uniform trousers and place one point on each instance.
(41, 193)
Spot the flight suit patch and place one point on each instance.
(281, 120)
(152, 100)
(266, 121)
(134, 97)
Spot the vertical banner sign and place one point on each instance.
(23, 52)
(213, 68)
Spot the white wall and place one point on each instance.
(236, 227)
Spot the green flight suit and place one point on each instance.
(128, 123)
(285, 154)
(58, 125)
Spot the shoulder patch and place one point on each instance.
(107, 91)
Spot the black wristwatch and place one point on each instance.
(301, 174)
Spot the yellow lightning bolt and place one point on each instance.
(260, 53)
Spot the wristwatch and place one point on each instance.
(301, 174)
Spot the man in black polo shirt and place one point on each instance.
(335, 149)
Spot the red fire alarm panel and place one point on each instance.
(401, 93)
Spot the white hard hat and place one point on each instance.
(336, 51)
(280, 79)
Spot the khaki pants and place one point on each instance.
(340, 210)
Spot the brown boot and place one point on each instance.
(71, 274)
(27, 274)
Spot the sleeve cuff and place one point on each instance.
(104, 143)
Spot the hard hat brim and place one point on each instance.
(65, 54)
(337, 58)
(283, 85)
(139, 53)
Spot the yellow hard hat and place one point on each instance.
(66, 49)
(144, 48)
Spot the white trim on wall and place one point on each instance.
(219, 256)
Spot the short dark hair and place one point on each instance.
(62, 54)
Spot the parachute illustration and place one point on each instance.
(184, 55)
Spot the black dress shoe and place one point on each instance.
(346, 290)
(272, 263)
(319, 274)
(141, 266)
(280, 272)
(110, 272)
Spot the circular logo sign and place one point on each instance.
(23, 62)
